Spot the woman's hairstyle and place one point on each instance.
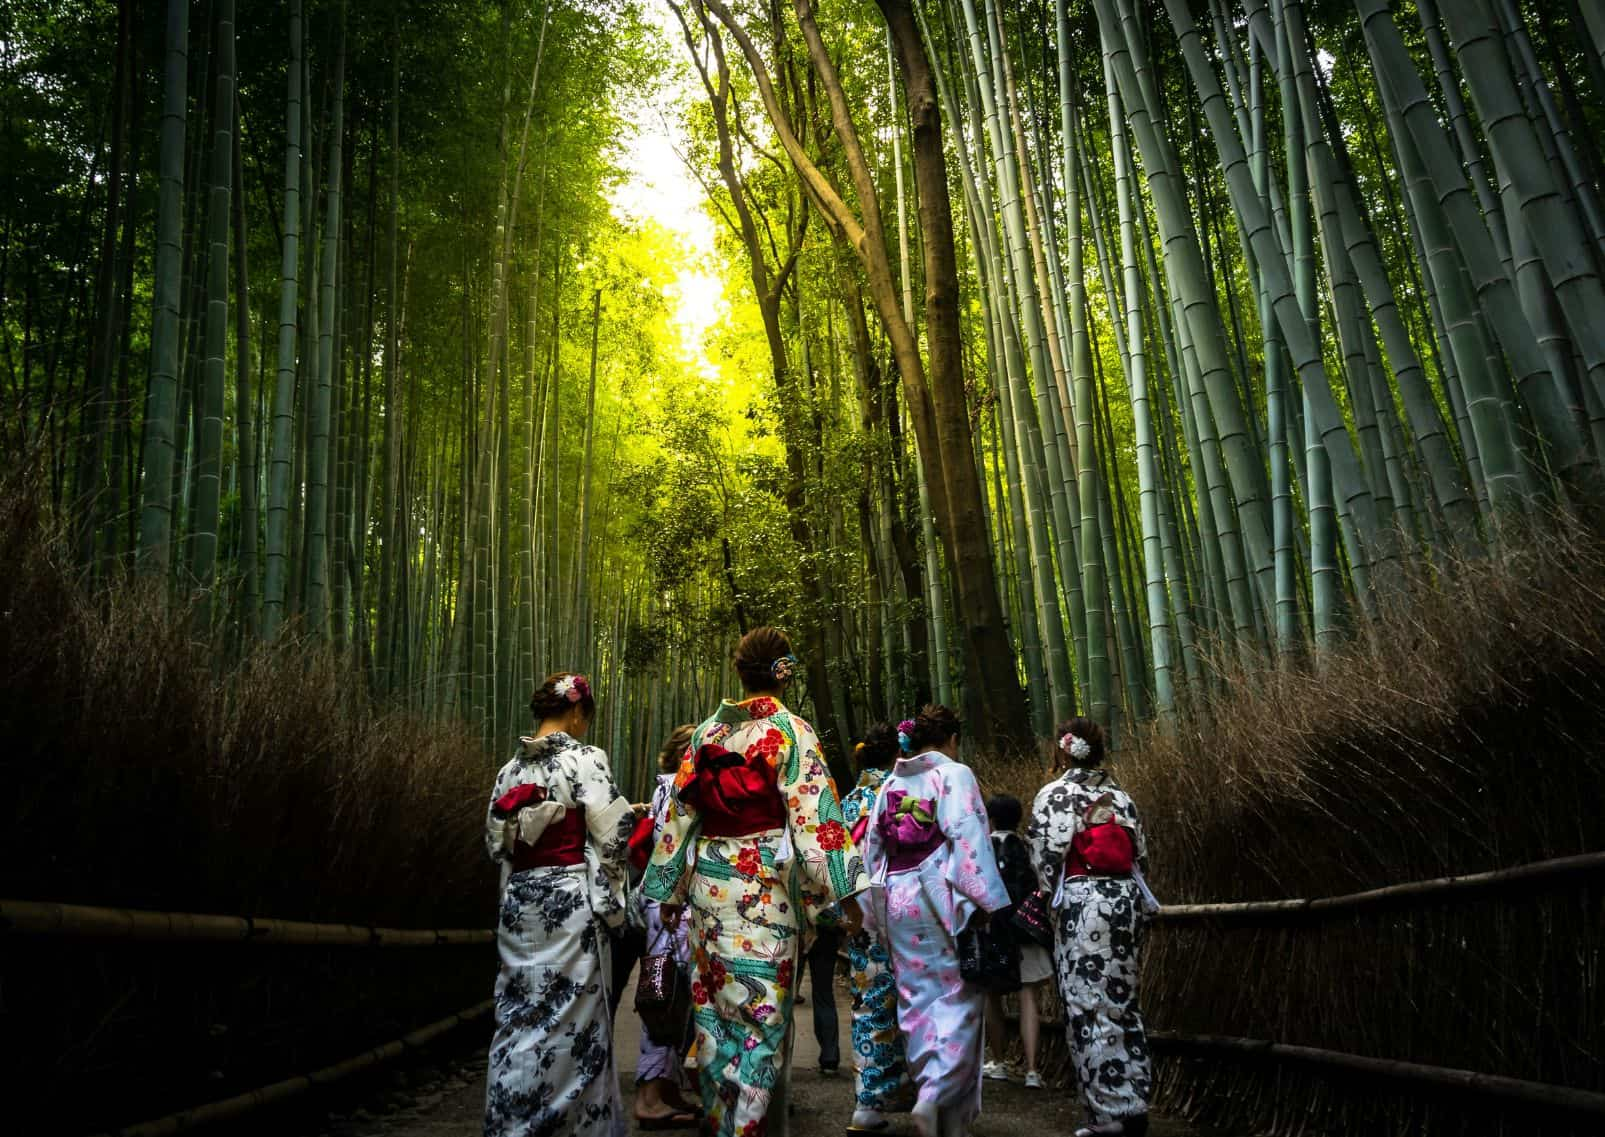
(674, 748)
(1004, 812)
(763, 659)
(1079, 742)
(560, 692)
(879, 748)
(933, 726)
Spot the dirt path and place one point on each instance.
(449, 1101)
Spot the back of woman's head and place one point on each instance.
(879, 748)
(756, 656)
(933, 726)
(559, 693)
(1003, 811)
(674, 748)
(1079, 742)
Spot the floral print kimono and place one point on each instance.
(756, 845)
(1098, 926)
(658, 1061)
(930, 856)
(877, 1043)
(559, 828)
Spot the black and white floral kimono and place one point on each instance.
(1098, 924)
(551, 1060)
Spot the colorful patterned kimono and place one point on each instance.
(928, 842)
(661, 1061)
(877, 1043)
(755, 843)
(559, 828)
(1098, 931)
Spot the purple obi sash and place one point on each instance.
(908, 829)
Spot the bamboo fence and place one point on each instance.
(292, 1087)
(81, 921)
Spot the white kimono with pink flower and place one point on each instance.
(919, 912)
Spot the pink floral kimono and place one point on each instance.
(930, 858)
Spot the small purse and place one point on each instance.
(1031, 918)
(989, 962)
(663, 996)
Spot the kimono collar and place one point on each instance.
(919, 763)
(1092, 777)
(871, 779)
(746, 710)
(532, 749)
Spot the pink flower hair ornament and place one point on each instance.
(905, 735)
(572, 687)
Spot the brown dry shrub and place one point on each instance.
(1463, 735)
(141, 770)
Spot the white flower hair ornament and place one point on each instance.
(1077, 747)
(784, 668)
(572, 687)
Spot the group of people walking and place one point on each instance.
(746, 861)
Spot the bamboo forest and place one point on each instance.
(1035, 357)
(1226, 374)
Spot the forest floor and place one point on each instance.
(449, 1100)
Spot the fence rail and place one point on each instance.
(82, 921)
(1565, 1098)
(301, 1083)
(1404, 895)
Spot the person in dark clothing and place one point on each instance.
(822, 974)
(1003, 812)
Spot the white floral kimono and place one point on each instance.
(551, 1059)
(1098, 924)
(931, 802)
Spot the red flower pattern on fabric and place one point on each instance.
(748, 862)
(699, 994)
(783, 975)
(714, 976)
(832, 836)
(768, 746)
(762, 708)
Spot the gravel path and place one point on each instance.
(447, 1101)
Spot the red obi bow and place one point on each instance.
(735, 793)
(517, 798)
(641, 841)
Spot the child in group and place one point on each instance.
(1004, 812)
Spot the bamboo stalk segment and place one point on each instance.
(299, 1084)
(1409, 893)
(1469, 1081)
(81, 921)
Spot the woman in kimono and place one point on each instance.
(659, 1103)
(1086, 841)
(756, 845)
(559, 829)
(878, 1052)
(929, 854)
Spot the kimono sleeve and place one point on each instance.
(496, 843)
(831, 868)
(1046, 836)
(668, 875)
(962, 816)
(608, 817)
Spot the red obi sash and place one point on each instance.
(908, 828)
(1101, 850)
(562, 844)
(735, 795)
(642, 839)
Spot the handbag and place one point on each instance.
(1031, 918)
(990, 962)
(663, 995)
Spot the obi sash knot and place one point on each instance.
(735, 794)
(908, 828)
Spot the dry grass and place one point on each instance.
(142, 772)
(1466, 736)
